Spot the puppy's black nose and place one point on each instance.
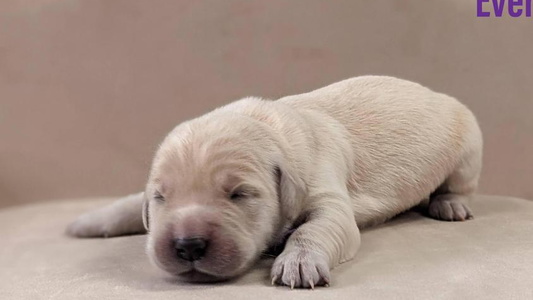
(190, 249)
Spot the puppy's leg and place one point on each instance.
(450, 201)
(450, 207)
(119, 218)
(328, 237)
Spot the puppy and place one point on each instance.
(316, 167)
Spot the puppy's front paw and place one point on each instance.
(108, 221)
(91, 225)
(300, 268)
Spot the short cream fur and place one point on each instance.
(332, 161)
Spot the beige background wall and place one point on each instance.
(88, 88)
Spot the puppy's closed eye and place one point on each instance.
(242, 192)
(237, 195)
(159, 197)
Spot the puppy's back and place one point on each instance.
(406, 138)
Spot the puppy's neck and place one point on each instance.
(277, 244)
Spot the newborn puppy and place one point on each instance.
(225, 187)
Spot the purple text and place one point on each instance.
(514, 8)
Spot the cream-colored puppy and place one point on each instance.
(315, 168)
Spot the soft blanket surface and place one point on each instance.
(410, 257)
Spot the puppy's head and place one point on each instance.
(218, 195)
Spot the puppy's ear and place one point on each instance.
(291, 190)
(146, 213)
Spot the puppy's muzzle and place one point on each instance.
(190, 249)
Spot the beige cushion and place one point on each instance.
(407, 258)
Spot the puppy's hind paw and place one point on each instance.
(449, 207)
(300, 268)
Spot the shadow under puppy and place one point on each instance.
(227, 186)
